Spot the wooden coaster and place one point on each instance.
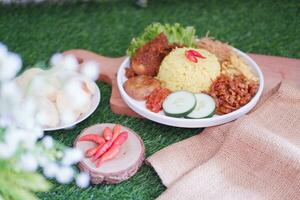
(275, 69)
(122, 167)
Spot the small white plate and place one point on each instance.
(140, 107)
(95, 102)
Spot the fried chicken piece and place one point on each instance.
(129, 73)
(148, 57)
(139, 87)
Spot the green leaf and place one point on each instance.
(20, 185)
(32, 181)
(10, 191)
(175, 34)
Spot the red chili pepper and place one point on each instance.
(191, 57)
(93, 138)
(196, 53)
(102, 150)
(108, 155)
(121, 138)
(90, 152)
(107, 134)
(112, 150)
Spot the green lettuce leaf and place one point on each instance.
(20, 185)
(175, 33)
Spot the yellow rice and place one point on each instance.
(178, 73)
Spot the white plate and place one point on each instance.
(95, 102)
(140, 108)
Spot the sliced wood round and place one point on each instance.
(122, 167)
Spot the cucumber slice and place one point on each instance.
(179, 104)
(205, 107)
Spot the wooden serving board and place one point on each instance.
(274, 68)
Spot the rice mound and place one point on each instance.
(176, 72)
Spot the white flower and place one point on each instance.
(9, 66)
(8, 104)
(18, 118)
(68, 116)
(43, 160)
(51, 170)
(56, 59)
(10, 95)
(14, 136)
(83, 180)
(3, 51)
(47, 142)
(70, 62)
(72, 156)
(10, 89)
(37, 132)
(30, 140)
(29, 143)
(74, 90)
(6, 151)
(28, 162)
(91, 70)
(25, 112)
(65, 175)
(64, 62)
(9, 101)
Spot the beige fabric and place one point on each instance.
(255, 157)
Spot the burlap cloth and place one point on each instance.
(254, 157)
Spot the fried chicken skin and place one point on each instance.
(148, 58)
(139, 87)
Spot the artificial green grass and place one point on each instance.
(36, 32)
